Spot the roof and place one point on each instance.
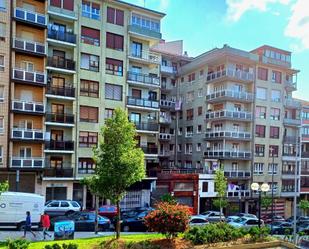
(161, 14)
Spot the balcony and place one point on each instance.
(187, 171)
(290, 139)
(144, 56)
(143, 80)
(305, 154)
(61, 13)
(231, 74)
(29, 17)
(290, 85)
(232, 135)
(146, 126)
(165, 153)
(61, 64)
(29, 77)
(292, 103)
(58, 172)
(238, 193)
(291, 122)
(29, 47)
(165, 88)
(227, 114)
(27, 162)
(165, 136)
(167, 104)
(237, 174)
(59, 119)
(26, 134)
(288, 174)
(165, 120)
(168, 70)
(65, 38)
(273, 61)
(60, 92)
(142, 103)
(228, 154)
(229, 95)
(59, 146)
(150, 150)
(33, 108)
(143, 31)
(287, 190)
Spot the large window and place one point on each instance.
(113, 92)
(109, 113)
(114, 67)
(89, 88)
(90, 62)
(188, 149)
(259, 150)
(258, 168)
(275, 113)
(275, 95)
(260, 130)
(63, 4)
(261, 93)
(90, 36)
(86, 166)
(115, 16)
(274, 132)
(114, 41)
(262, 73)
(89, 114)
(276, 77)
(272, 168)
(88, 139)
(190, 114)
(145, 22)
(273, 150)
(260, 112)
(91, 10)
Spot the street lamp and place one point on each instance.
(272, 188)
(260, 188)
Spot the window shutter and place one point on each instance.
(96, 6)
(109, 40)
(117, 92)
(119, 17)
(68, 4)
(108, 91)
(119, 42)
(56, 3)
(93, 113)
(93, 33)
(83, 110)
(84, 61)
(110, 15)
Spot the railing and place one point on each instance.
(145, 55)
(229, 114)
(268, 60)
(24, 106)
(233, 73)
(187, 171)
(291, 121)
(237, 174)
(85, 171)
(144, 31)
(230, 94)
(146, 126)
(22, 133)
(165, 120)
(288, 172)
(29, 16)
(305, 154)
(64, 118)
(59, 145)
(290, 139)
(228, 134)
(165, 136)
(227, 154)
(168, 69)
(60, 62)
(165, 153)
(238, 193)
(142, 102)
(29, 46)
(144, 78)
(61, 91)
(61, 11)
(61, 36)
(58, 172)
(149, 150)
(89, 40)
(27, 162)
(167, 103)
(292, 103)
(290, 83)
(29, 76)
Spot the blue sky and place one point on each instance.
(244, 24)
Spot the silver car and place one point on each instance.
(213, 216)
(246, 222)
(198, 220)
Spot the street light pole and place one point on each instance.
(260, 200)
(272, 190)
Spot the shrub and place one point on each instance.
(17, 244)
(258, 233)
(168, 219)
(63, 246)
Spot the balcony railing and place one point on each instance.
(246, 155)
(149, 150)
(165, 153)
(25, 106)
(30, 17)
(144, 79)
(60, 62)
(290, 84)
(165, 120)
(292, 121)
(29, 76)
(61, 12)
(167, 104)
(25, 134)
(29, 46)
(165, 136)
(187, 171)
(27, 162)
(61, 36)
(146, 103)
(238, 193)
(59, 145)
(61, 91)
(305, 154)
(227, 114)
(231, 73)
(146, 126)
(58, 172)
(230, 94)
(290, 139)
(292, 103)
(237, 174)
(64, 118)
(139, 29)
(168, 69)
(145, 55)
(228, 134)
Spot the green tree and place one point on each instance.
(119, 162)
(220, 188)
(304, 206)
(266, 202)
(4, 186)
(169, 199)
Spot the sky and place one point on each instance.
(243, 24)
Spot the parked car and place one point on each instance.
(291, 219)
(237, 216)
(271, 218)
(303, 227)
(61, 207)
(134, 212)
(84, 221)
(135, 224)
(302, 219)
(198, 220)
(213, 216)
(108, 211)
(279, 227)
(246, 222)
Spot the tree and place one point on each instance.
(169, 199)
(304, 206)
(4, 186)
(266, 202)
(119, 162)
(220, 188)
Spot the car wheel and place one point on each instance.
(126, 229)
(21, 226)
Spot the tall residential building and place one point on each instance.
(304, 154)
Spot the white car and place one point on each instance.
(213, 216)
(198, 220)
(235, 217)
(246, 222)
(61, 207)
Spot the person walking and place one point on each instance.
(28, 225)
(45, 222)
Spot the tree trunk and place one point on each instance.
(118, 221)
(96, 225)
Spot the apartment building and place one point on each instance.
(304, 154)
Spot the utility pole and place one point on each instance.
(272, 189)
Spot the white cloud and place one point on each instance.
(164, 5)
(236, 8)
(298, 26)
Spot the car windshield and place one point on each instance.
(240, 220)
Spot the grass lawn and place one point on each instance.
(92, 242)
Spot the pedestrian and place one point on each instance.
(28, 225)
(45, 222)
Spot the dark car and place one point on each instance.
(84, 221)
(134, 212)
(279, 227)
(272, 218)
(135, 224)
(108, 211)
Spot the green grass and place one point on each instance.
(93, 242)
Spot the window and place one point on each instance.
(190, 96)
(260, 130)
(109, 113)
(260, 112)
(200, 92)
(64, 204)
(2, 5)
(276, 77)
(275, 95)
(63, 4)
(89, 88)
(90, 36)
(199, 129)
(90, 62)
(1, 63)
(1, 124)
(205, 187)
(191, 77)
(189, 131)
(145, 22)
(1, 93)
(272, 168)
(274, 132)
(179, 131)
(91, 10)
(179, 147)
(188, 149)
(198, 147)
(88, 139)
(114, 67)
(275, 113)
(1, 153)
(259, 150)
(258, 168)
(86, 165)
(273, 150)
(114, 41)
(89, 114)
(115, 16)
(262, 73)
(261, 93)
(113, 92)
(2, 31)
(200, 111)
(190, 114)
(201, 73)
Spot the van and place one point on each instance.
(13, 208)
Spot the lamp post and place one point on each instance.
(272, 189)
(260, 188)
